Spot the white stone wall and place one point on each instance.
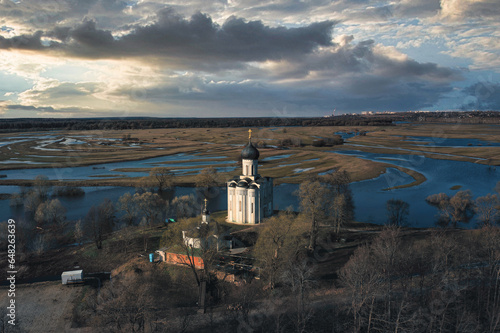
(191, 242)
(248, 205)
(230, 203)
(250, 167)
(253, 204)
(241, 205)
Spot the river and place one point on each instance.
(370, 196)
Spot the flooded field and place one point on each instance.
(376, 163)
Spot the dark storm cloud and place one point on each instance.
(416, 8)
(349, 58)
(483, 9)
(483, 95)
(23, 42)
(241, 64)
(42, 14)
(357, 92)
(60, 33)
(27, 108)
(45, 109)
(198, 39)
(352, 76)
(88, 36)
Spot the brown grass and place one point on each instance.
(222, 141)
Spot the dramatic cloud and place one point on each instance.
(27, 108)
(195, 41)
(483, 95)
(48, 111)
(23, 42)
(245, 57)
(361, 76)
(470, 9)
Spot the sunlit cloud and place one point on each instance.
(243, 57)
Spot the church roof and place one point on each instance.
(242, 183)
(250, 152)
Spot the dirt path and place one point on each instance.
(42, 307)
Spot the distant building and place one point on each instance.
(207, 234)
(175, 258)
(249, 196)
(72, 277)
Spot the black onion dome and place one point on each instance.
(253, 187)
(250, 152)
(206, 211)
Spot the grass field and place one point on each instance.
(108, 146)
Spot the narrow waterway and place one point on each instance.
(370, 195)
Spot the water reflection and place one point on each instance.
(107, 169)
(370, 196)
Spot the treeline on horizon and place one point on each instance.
(128, 123)
(33, 124)
(466, 117)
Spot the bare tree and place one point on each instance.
(41, 187)
(440, 200)
(315, 204)
(208, 177)
(128, 205)
(339, 183)
(299, 277)
(31, 202)
(125, 305)
(39, 244)
(487, 208)
(184, 206)
(78, 232)
(94, 226)
(51, 213)
(126, 237)
(145, 184)
(490, 241)
(361, 281)
(163, 177)
(207, 252)
(279, 242)
(100, 221)
(462, 207)
(150, 206)
(457, 209)
(340, 212)
(205, 248)
(397, 212)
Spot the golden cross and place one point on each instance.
(249, 133)
(205, 202)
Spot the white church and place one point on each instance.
(249, 196)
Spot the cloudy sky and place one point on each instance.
(278, 58)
